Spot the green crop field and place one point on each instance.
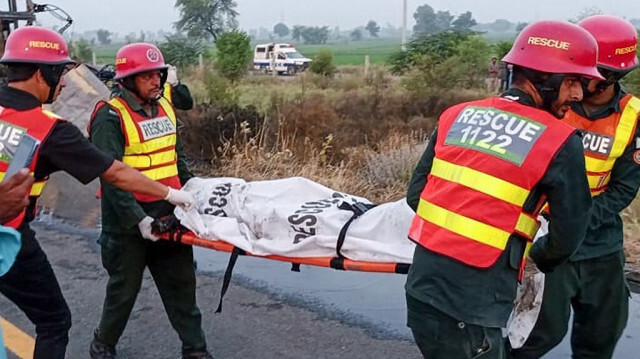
(353, 53)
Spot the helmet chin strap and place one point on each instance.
(52, 75)
(547, 85)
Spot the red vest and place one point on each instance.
(605, 140)
(489, 155)
(150, 143)
(13, 124)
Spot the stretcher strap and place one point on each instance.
(358, 210)
(227, 275)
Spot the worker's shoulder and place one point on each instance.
(105, 111)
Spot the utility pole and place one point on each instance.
(404, 25)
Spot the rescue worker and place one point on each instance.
(36, 60)
(479, 186)
(139, 127)
(592, 282)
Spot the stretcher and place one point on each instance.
(339, 263)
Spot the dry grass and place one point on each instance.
(631, 218)
(380, 175)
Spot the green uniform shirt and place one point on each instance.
(485, 296)
(120, 210)
(181, 97)
(604, 234)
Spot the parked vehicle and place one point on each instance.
(283, 58)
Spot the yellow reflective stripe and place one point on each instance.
(527, 225)
(161, 172)
(168, 109)
(150, 146)
(129, 126)
(624, 132)
(145, 161)
(527, 249)
(480, 182)
(167, 92)
(462, 225)
(51, 114)
(36, 188)
(596, 181)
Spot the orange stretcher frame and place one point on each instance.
(331, 262)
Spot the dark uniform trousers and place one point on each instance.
(33, 287)
(597, 291)
(172, 268)
(439, 336)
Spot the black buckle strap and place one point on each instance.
(358, 210)
(226, 280)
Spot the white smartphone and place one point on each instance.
(23, 156)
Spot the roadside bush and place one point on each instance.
(211, 130)
(323, 64)
(233, 55)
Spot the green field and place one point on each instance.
(351, 53)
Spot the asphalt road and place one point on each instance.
(254, 324)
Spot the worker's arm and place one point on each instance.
(181, 97)
(567, 190)
(419, 178)
(622, 188)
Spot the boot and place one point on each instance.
(99, 350)
(196, 354)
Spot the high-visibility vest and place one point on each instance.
(167, 92)
(605, 140)
(13, 125)
(150, 143)
(489, 155)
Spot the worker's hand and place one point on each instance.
(172, 76)
(145, 229)
(14, 195)
(180, 198)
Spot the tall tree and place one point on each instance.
(430, 22)
(425, 20)
(464, 22)
(206, 18)
(373, 28)
(296, 33)
(104, 37)
(234, 54)
(356, 35)
(315, 34)
(281, 30)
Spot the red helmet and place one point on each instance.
(36, 45)
(556, 47)
(617, 41)
(136, 58)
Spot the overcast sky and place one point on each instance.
(125, 16)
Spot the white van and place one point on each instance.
(284, 57)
